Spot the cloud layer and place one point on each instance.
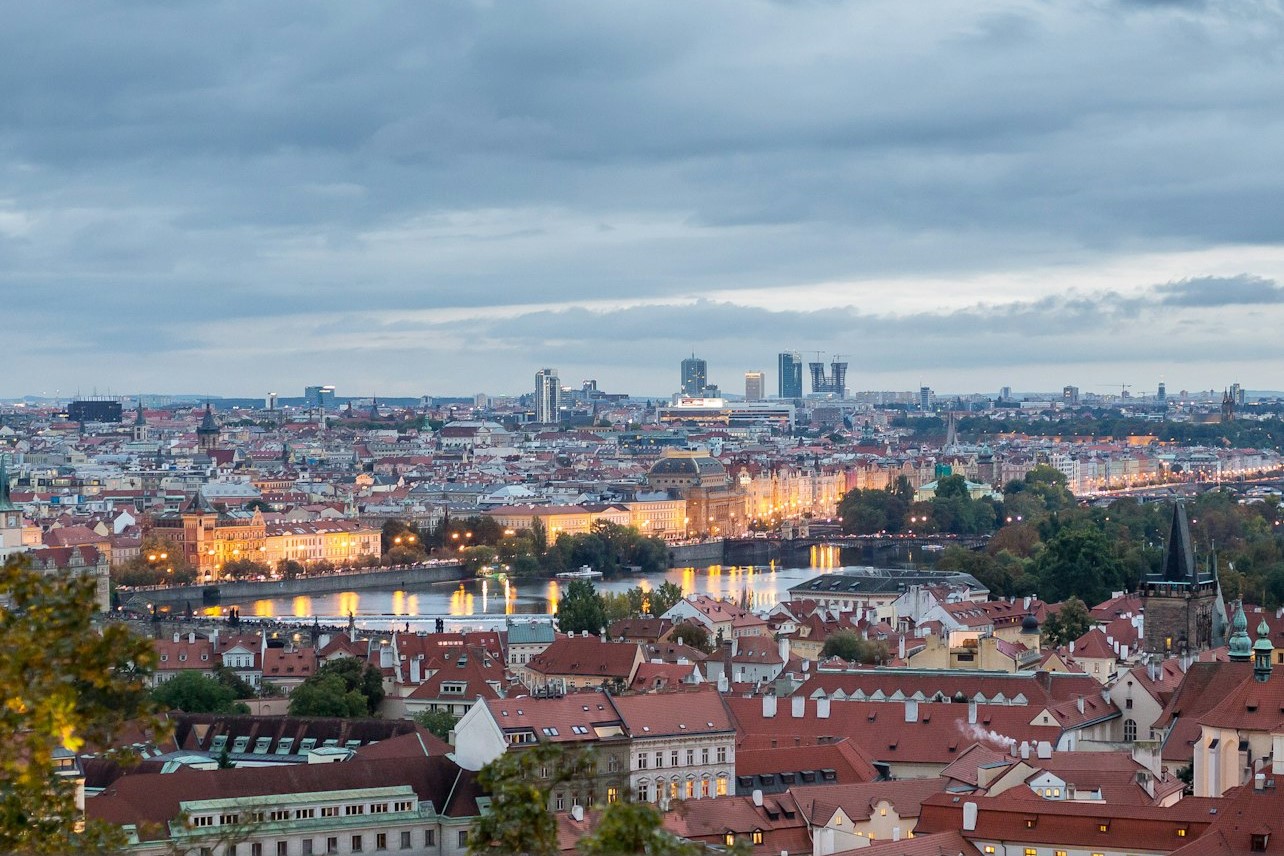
(440, 198)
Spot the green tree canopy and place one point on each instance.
(335, 685)
(65, 685)
(1067, 624)
(847, 645)
(627, 828)
(193, 692)
(327, 695)
(519, 822)
(664, 597)
(580, 609)
(439, 722)
(1078, 561)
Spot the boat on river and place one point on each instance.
(584, 573)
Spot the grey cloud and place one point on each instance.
(1243, 290)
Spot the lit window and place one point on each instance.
(722, 786)
(989, 849)
(612, 794)
(1030, 851)
(757, 836)
(730, 839)
(1181, 833)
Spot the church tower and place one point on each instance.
(10, 517)
(1180, 602)
(1228, 407)
(207, 432)
(140, 425)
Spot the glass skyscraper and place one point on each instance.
(790, 375)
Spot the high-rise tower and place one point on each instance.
(754, 386)
(695, 376)
(548, 395)
(789, 367)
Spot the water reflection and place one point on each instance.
(758, 586)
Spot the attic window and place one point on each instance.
(1104, 826)
(1030, 822)
(1258, 840)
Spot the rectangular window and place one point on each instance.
(381, 841)
(722, 754)
(332, 845)
(989, 849)
(722, 786)
(301, 813)
(644, 792)
(279, 814)
(612, 794)
(704, 755)
(559, 802)
(405, 839)
(329, 811)
(404, 805)
(641, 760)
(356, 844)
(463, 838)
(690, 757)
(378, 808)
(307, 847)
(612, 764)
(256, 849)
(1030, 851)
(354, 809)
(690, 789)
(673, 758)
(229, 819)
(430, 838)
(203, 820)
(283, 848)
(659, 760)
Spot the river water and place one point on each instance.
(487, 602)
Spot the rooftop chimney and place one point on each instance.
(971, 713)
(1259, 782)
(1025, 751)
(191, 638)
(911, 710)
(577, 812)
(1045, 750)
(768, 706)
(757, 797)
(969, 817)
(799, 706)
(822, 708)
(783, 645)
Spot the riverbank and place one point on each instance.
(235, 592)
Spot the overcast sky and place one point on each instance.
(443, 197)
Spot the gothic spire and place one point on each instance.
(1179, 553)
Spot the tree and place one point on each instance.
(327, 695)
(289, 568)
(353, 676)
(847, 645)
(1078, 560)
(627, 828)
(193, 692)
(1067, 624)
(694, 634)
(580, 609)
(665, 597)
(518, 821)
(65, 685)
(439, 722)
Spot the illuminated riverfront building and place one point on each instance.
(209, 536)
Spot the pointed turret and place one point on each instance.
(207, 432)
(1179, 553)
(1263, 648)
(1241, 646)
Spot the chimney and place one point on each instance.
(1027, 603)
(577, 812)
(1025, 751)
(969, 817)
(911, 710)
(214, 637)
(1150, 670)
(971, 713)
(896, 833)
(1259, 782)
(783, 645)
(1123, 652)
(1277, 751)
(900, 647)
(724, 686)
(822, 708)
(757, 797)
(768, 706)
(177, 636)
(735, 646)
(416, 676)
(191, 638)
(1079, 703)
(799, 706)
(1045, 750)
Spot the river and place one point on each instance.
(487, 602)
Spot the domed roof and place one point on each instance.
(1029, 624)
(1241, 647)
(687, 464)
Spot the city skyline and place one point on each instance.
(442, 199)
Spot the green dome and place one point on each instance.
(1241, 646)
(1263, 642)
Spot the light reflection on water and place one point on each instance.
(759, 586)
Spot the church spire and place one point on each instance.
(1263, 648)
(1179, 553)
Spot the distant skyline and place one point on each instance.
(408, 198)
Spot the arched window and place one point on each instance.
(1130, 731)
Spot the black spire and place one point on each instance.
(1179, 554)
(6, 498)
